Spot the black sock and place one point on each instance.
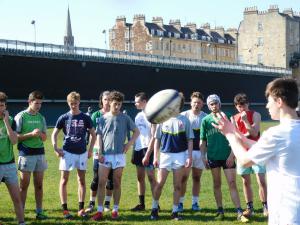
(64, 206)
(107, 203)
(80, 205)
(249, 205)
(239, 210)
(142, 199)
(220, 209)
(92, 203)
(265, 204)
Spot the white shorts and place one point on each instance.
(172, 161)
(114, 161)
(197, 160)
(71, 161)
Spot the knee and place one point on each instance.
(151, 180)
(196, 179)
(94, 184)
(141, 179)
(184, 179)
(217, 185)
(81, 181)
(177, 187)
(232, 185)
(64, 181)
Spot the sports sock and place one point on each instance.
(175, 208)
(38, 210)
(142, 199)
(93, 198)
(80, 205)
(116, 208)
(239, 210)
(220, 209)
(250, 205)
(154, 204)
(181, 200)
(265, 204)
(64, 206)
(107, 198)
(100, 208)
(195, 199)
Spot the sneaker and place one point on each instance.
(154, 214)
(82, 214)
(180, 207)
(114, 215)
(265, 211)
(41, 216)
(219, 216)
(248, 212)
(89, 209)
(138, 207)
(175, 216)
(106, 208)
(67, 215)
(242, 218)
(195, 207)
(98, 216)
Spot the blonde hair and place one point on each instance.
(73, 96)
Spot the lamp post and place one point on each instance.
(104, 32)
(33, 23)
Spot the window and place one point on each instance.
(186, 36)
(169, 34)
(177, 35)
(152, 32)
(127, 34)
(127, 46)
(160, 33)
(260, 59)
(259, 26)
(260, 41)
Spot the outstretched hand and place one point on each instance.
(223, 124)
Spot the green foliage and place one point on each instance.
(128, 200)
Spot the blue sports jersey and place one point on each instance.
(174, 134)
(75, 129)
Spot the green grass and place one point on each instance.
(128, 200)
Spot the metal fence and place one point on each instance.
(15, 47)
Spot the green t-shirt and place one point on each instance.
(95, 118)
(217, 145)
(26, 123)
(6, 147)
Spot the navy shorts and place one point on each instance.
(219, 163)
(137, 158)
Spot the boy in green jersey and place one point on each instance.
(8, 170)
(31, 128)
(217, 154)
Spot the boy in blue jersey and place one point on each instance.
(172, 139)
(73, 154)
(31, 128)
(8, 170)
(111, 134)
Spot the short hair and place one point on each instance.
(104, 93)
(3, 97)
(142, 95)
(284, 88)
(240, 99)
(197, 94)
(73, 96)
(182, 100)
(35, 95)
(116, 96)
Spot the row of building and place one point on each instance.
(269, 38)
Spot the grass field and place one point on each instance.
(128, 200)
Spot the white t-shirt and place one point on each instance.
(279, 149)
(145, 131)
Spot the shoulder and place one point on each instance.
(20, 114)
(96, 114)
(185, 113)
(64, 116)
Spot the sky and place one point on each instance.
(90, 17)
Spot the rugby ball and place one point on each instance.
(162, 106)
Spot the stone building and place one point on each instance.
(173, 40)
(269, 38)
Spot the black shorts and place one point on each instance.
(137, 158)
(219, 163)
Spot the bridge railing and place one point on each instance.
(52, 50)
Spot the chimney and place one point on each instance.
(139, 18)
(250, 10)
(192, 26)
(220, 30)
(121, 20)
(289, 12)
(273, 8)
(176, 24)
(206, 28)
(158, 20)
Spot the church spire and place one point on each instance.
(68, 38)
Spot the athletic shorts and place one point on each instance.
(32, 163)
(137, 158)
(253, 169)
(219, 163)
(71, 161)
(114, 161)
(197, 161)
(172, 161)
(8, 173)
(95, 165)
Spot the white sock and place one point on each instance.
(181, 200)
(93, 199)
(195, 199)
(154, 204)
(107, 198)
(116, 208)
(175, 208)
(100, 208)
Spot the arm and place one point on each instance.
(135, 135)
(203, 149)
(253, 129)
(11, 134)
(150, 148)
(92, 141)
(100, 148)
(156, 151)
(190, 150)
(59, 152)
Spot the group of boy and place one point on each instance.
(191, 139)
